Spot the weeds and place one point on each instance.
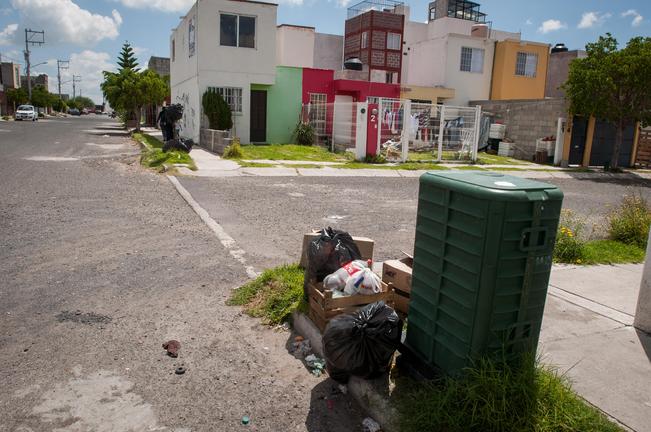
(570, 247)
(630, 222)
(495, 396)
(274, 295)
(233, 151)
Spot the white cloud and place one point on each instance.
(89, 64)
(5, 11)
(637, 18)
(591, 19)
(529, 22)
(7, 35)
(551, 25)
(65, 21)
(182, 6)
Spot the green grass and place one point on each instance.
(489, 159)
(304, 166)
(470, 168)
(612, 252)
(274, 295)
(290, 152)
(496, 397)
(245, 164)
(154, 157)
(408, 166)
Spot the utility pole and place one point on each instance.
(75, 80)
(61, 64)
(31, 38)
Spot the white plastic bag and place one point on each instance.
(364, 282)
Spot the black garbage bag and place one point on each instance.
(329, 252)
(173, 113)
(178, 144)
(362, 343)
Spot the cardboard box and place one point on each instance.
(398, 272)
(365, 245)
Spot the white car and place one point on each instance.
(26, 112)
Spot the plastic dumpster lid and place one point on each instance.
(492, 180)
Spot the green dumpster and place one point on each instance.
(482, 260)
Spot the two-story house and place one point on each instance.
(229, 45)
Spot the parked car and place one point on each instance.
(74, 112)
(26, 112)
(84, 111)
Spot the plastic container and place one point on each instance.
(482, 260)
(337, 280)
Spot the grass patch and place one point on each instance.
(245, 164)
(489, 159)
(407, 166)
(612, 252)
(304, 166)
(629, 223)
(497, 397)
(290, 152)
(154, 157)
(274, 295)
(469, 168)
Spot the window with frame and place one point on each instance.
(237, 30)
(318, 111)
(364, 40)
(394, 40)
(191, 37)
(472, 60)
(232, 96)
(526, 64)
(173, 50)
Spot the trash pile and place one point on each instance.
(167, 120)
(362, 344)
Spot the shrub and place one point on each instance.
(217, 110)
(304, 134)
(570, 247)
(234, 151)
(377, 159)
(630, 222)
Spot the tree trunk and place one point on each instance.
(619, 137)
(138, 115)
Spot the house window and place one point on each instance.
(472, 60)
(373, 99)
(318, 110)
(526, 64)
(365, 40)
(393, 41)
(237, 31)
(173, 50)
(232, 96)
(392, 78)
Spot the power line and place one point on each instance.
(61, 64)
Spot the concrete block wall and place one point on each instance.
(526, 120)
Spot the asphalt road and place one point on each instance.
(268, 216)
(102, 262)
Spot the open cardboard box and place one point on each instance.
(398, 273)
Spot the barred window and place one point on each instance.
(393, 41)
(472, 60)
(526, 64)
(318, 108)
(365, 40)
(232, 96)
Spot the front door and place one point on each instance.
(579, 135)
(258, 116)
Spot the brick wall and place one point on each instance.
(526, 120)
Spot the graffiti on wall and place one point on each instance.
(189, 113)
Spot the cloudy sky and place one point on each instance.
(90, 33)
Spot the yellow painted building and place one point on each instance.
(519, 70)
(426, 94)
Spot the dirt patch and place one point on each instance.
(83, 318)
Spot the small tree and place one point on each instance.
(17, 96)
(60, 105)
(127, 58)
(41, 97)
(217, 110)
(613, 85)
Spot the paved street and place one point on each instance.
(104, 261)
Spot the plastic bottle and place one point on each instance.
(337, 280)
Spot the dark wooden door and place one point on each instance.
(258, 116)
(579, 135)
(604, 142)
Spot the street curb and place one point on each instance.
(369, 394)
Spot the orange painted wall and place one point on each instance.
(506, 84)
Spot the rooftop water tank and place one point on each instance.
(479, 30)
(353, 64)
(559, 47)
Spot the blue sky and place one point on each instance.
(90, 33)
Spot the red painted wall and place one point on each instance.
(318, 81)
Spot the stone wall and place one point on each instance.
(526, 120)
(214, 140)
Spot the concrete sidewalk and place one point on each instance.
(587, 333)
(213, 166)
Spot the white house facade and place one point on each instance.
(229, 45)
